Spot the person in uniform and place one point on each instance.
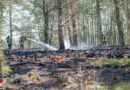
(9, 42)
(22, 39)
(103, 40)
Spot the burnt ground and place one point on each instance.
(66, 70)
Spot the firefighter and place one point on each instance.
(22, 39)
(103, 40)
(9, 42)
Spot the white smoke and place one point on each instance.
(49, 47)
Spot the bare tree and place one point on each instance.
(99, 25)
(1, 15)
(10, 19)
(45, 13)
(75, 41)
(119, 23)
(60, 31)
(127, 13)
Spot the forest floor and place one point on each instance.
(95, 69)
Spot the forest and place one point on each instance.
(65, 44)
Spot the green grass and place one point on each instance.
(120, 86)
(104, 61)
(123, 85)
(5, 67)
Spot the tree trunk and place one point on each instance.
(70, 35)
(0, 62)
(110, 32)
(60, 31)
(1, 16)
(75, 41)
(99, 25)
(46, 32)
(10, 18)
(127, 13)
(119, 24)
(51, 35)
(46, 23)
(84, 31)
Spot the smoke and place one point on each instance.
(67, 43)
(81, 46)
(43, 45)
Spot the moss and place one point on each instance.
(104, 61)
(116, 86)
(54, 89)
(5, 67)
(2, 43)
(11, 88)
(120, 86)
(92, 87)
